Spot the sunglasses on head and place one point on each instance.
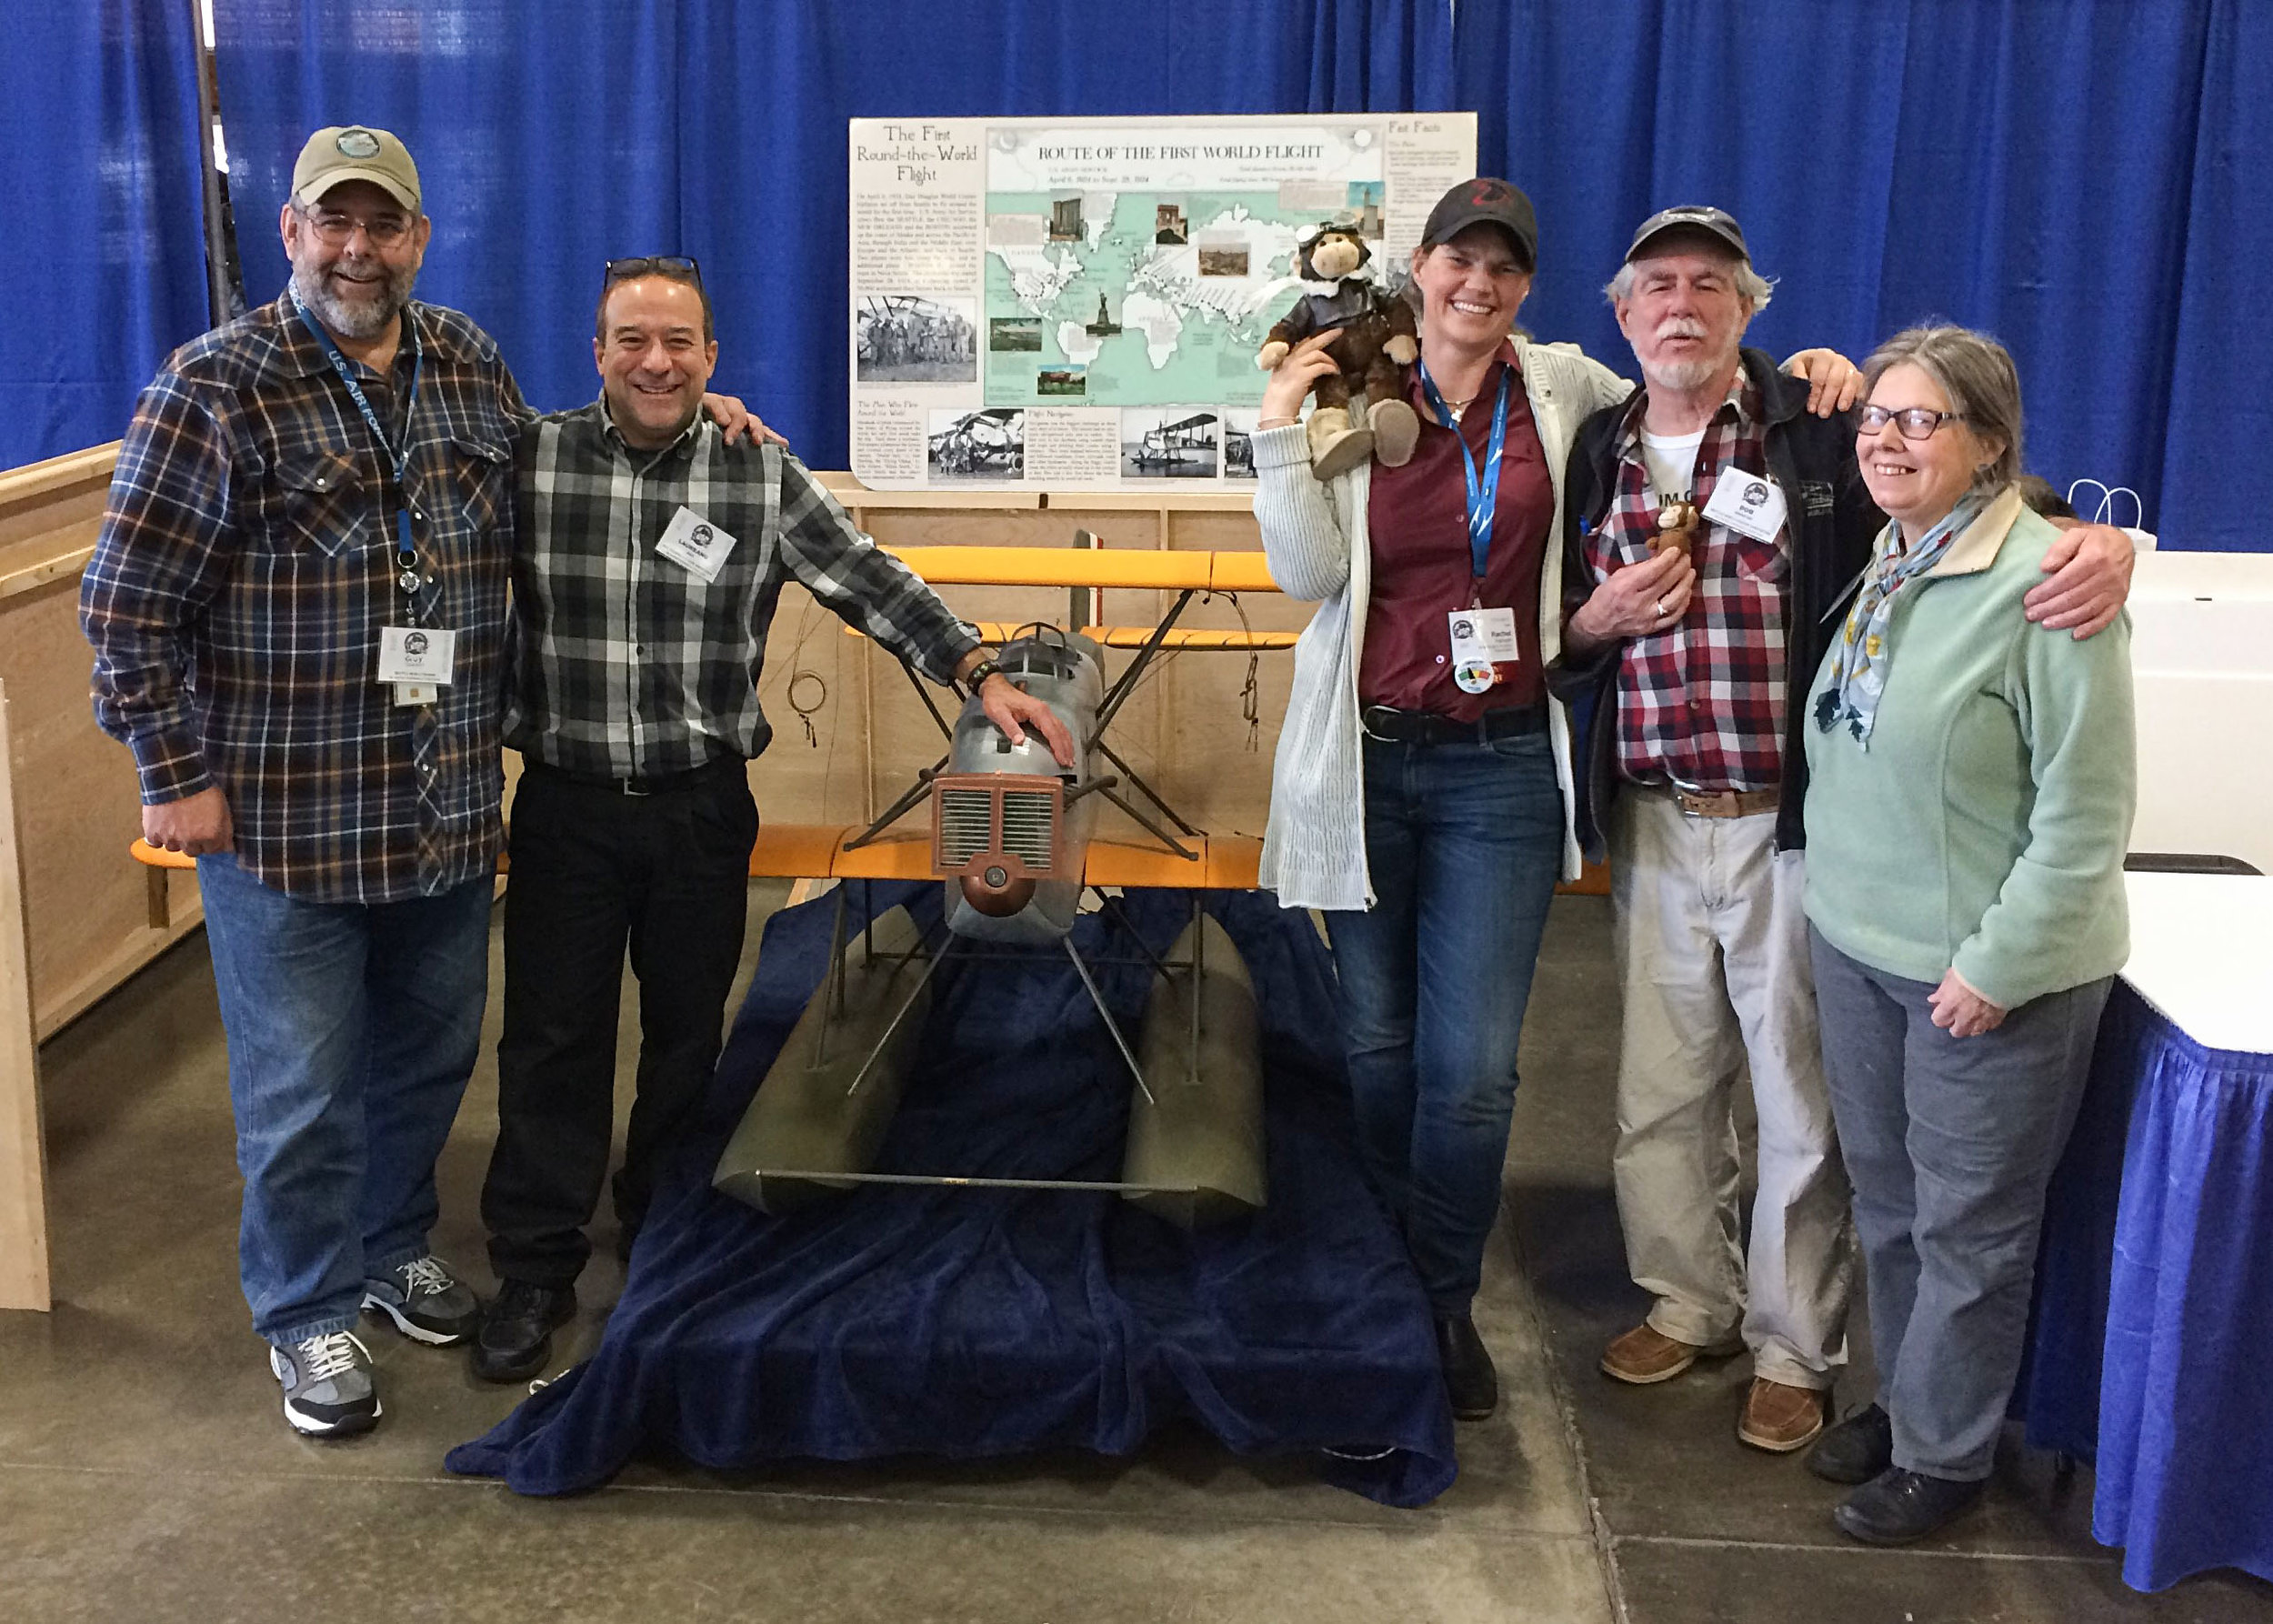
(680, 267)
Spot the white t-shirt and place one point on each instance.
(1671, 460)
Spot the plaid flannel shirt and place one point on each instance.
(631, 665)
(244, 569)
(1701, 704)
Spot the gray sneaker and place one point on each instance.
(328, 1387)
(424, 1301)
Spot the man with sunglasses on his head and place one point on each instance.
(648, 560)
(1715, 531)
(297, 604)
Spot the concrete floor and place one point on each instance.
(146, 1473)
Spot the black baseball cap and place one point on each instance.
(1485, 201)
(1712, 222)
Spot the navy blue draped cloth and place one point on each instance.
(962, 1324)
(2155, 1300)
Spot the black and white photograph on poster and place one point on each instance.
(1238, 441)
(1223, 253)
(1168, 443)
(1364, 201)
(917, 338)
(983, 445)
(1014, 335)
(1169, 224)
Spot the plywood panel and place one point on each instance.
(23, 1157)
(88, 910)
(88, 905)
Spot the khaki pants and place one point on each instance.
(1712, 946)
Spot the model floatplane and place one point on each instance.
(1014, 844)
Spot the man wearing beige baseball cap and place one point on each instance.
(298, 609)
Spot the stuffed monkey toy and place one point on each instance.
(1375, 336)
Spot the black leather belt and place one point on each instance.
(1427, 727)
(694, 777)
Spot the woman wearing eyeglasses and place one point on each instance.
(1970, 789)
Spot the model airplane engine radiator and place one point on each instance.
(998, 832)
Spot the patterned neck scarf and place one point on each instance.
(1858, 677)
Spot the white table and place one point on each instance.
(2202, 955)
(2202, 669)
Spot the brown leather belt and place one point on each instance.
(1728, 803)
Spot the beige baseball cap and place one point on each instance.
(344, 152)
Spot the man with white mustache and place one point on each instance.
(1715, 531)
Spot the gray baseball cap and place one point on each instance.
(1712, 222)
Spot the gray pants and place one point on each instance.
(1949, 1143)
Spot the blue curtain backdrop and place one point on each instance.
(551, 140)
(2076, 178)
(105, 260)
(2088, 178)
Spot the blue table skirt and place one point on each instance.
(2155, 1306)
(962, 1324)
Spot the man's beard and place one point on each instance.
(1684, 375)
(364, 318)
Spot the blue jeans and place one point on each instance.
(1464, 843)
(352, 1031)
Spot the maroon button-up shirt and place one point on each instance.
(1418, 518)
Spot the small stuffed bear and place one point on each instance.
(1374, 335)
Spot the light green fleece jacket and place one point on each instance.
(1985, 824)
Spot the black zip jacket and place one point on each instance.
(1832, 523)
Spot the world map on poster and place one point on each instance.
(1123, 313)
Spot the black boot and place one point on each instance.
(1470, 1382)
(516, 1334)
(1856, 1450)
(1898, 1507)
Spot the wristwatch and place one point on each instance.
(979, 673)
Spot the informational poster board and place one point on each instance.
(1076, 304)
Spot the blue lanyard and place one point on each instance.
(1484, 489)
(406, 550)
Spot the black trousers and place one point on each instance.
(595, 871)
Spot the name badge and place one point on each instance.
(1482, 639)
(1749, 504)
(695, 544)
(415, 655)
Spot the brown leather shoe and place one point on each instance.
(1645, 1355)
(1779, 1419)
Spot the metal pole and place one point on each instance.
(1105, 1014)
(898, 1015)
(222, 300)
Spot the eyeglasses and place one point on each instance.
(1915, 423)
(678, 266)
(337, 230)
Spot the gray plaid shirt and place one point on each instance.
(630, 664)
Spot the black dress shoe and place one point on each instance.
(1470, 1382)
(516, 1333)
(1898, 1507)
(1857, 1449)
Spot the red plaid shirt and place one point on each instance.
(1701, 704)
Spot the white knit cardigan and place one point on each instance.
(1314, 536)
